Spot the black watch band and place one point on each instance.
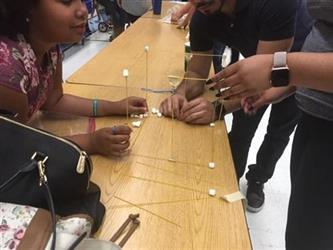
(280, 70)
(219, 110)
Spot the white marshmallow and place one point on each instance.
(212, 124)
(136, 124)
(211, 165)
(146, 48)
(154, 110)
(212, 192)
(125, 72)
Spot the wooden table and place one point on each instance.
(172, 198)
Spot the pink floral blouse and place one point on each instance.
(20, 71)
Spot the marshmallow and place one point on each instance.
(211, 165)
(136, 124)
(125, 72)
(212, 192)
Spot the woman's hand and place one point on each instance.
(251, 104)
(110, 141)
(247, 77)
(136, 105)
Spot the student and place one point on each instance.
(124, 12)
(310, 213)
(117, 15)
(252, 27)
(135, 9)
(31, 69)
(218, 47)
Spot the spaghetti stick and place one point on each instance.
(203, 54)
(125, 74)
(146, 51)
(213, 134)
(186, 78)
(220, 114)
(174, 85)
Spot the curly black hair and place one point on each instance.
(13, 16)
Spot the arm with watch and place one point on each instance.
(233, 103)
(262, 72)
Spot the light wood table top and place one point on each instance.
(166, 56)
(172, 198)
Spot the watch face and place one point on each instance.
(280, 77)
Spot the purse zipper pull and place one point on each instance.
(81, 164)
(41, 170)
(42, 158)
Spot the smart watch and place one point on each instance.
(280, 70)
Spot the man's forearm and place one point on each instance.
(191, 86)
(194, 80)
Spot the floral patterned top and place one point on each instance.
(20, 71)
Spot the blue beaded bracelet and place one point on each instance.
(95, 107)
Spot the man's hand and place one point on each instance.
(173, 104)
(198, 111)
(177, 16)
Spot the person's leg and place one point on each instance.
(282, 121)
(117, 16)
(131, 17)
(310, 213)
(240, 137)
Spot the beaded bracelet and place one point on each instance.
(95, 107)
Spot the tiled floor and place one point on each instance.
(266, 227)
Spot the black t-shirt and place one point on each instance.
(253, 20)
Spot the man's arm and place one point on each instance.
(198, 67)
(269, 47)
